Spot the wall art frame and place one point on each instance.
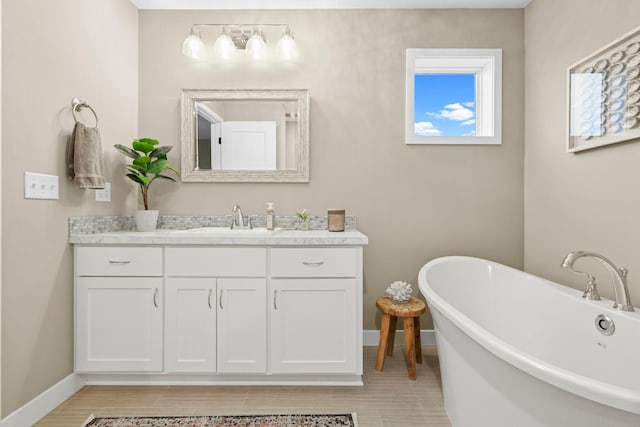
(603, 95)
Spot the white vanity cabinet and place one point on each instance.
(177, 308)
(242, 325)
(315, 321)
(216, 310)
(190, 324)
(118, 300)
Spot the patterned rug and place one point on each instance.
(295, 420)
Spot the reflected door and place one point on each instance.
(246, 146)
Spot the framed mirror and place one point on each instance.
(245, 135)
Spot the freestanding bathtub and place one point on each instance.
(517, 350)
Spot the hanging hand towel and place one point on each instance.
(84, 157)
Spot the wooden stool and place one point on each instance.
(410, 313)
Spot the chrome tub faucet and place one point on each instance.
(618, 279)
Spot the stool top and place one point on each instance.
(413, 308)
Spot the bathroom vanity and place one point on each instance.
(202, 307)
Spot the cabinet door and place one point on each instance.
(313, 326)
(118, 324)
(242, 325)
(190, 325)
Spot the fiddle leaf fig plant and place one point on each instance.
(149, 163)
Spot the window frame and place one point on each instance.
(486, 65)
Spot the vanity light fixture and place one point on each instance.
(224, 48)
(256, 45)
(234, 37)
(192, 47)
(286, 47)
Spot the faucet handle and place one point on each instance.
(591, 293)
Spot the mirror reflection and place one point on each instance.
(245, 135)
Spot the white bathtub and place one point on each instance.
(520, 351)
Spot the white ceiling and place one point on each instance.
(327, 4)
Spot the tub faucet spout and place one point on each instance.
(618, 277)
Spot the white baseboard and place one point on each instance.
(45, 402)
(48, 400)
(370, 338)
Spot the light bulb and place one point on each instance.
(256, 46)
(224, 48)
(286, 48)
(192, 47)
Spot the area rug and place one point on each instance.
(293, 420)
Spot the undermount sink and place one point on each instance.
(225, 231)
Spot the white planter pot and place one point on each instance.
(146, 220)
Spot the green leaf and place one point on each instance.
(145, 179)
(132, 169)
(161, 151)
(148, 141)
(165, 177)
(136, 178)
(173, 170)
(127, 151)
(136, 169)
(142, 162)
(158, 166)
(143, 147)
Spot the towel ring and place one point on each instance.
(78, 105)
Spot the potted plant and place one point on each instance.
(149, 163)
(304, 219)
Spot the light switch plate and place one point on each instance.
(104, 195)
(40, 186)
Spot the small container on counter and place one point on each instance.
(335, 219)
(271, 216)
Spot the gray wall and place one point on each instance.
(414, 202)
(588, 200)
(52, 52)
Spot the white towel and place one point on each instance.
(84, 157)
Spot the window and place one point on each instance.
(454, 96)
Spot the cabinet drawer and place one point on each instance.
(218, 262)
(314, 262)
(118, 261)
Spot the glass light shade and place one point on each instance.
(192, 47)
(224, 48)
(256, 47)
(286, 48)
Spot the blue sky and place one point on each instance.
(445, 104)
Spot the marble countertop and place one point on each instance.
(222, 237)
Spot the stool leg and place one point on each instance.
(409, 343)
(382, 344)
(392, 335)
(416, 330)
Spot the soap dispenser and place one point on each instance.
(271, 216)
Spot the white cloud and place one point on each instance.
(426, 129)
(468, 122)
(457, 112)
(469, 104)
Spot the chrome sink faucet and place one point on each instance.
(238, 221)
(618, 278)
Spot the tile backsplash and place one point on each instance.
(113, 223)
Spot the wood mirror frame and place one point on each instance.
(190, 170)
